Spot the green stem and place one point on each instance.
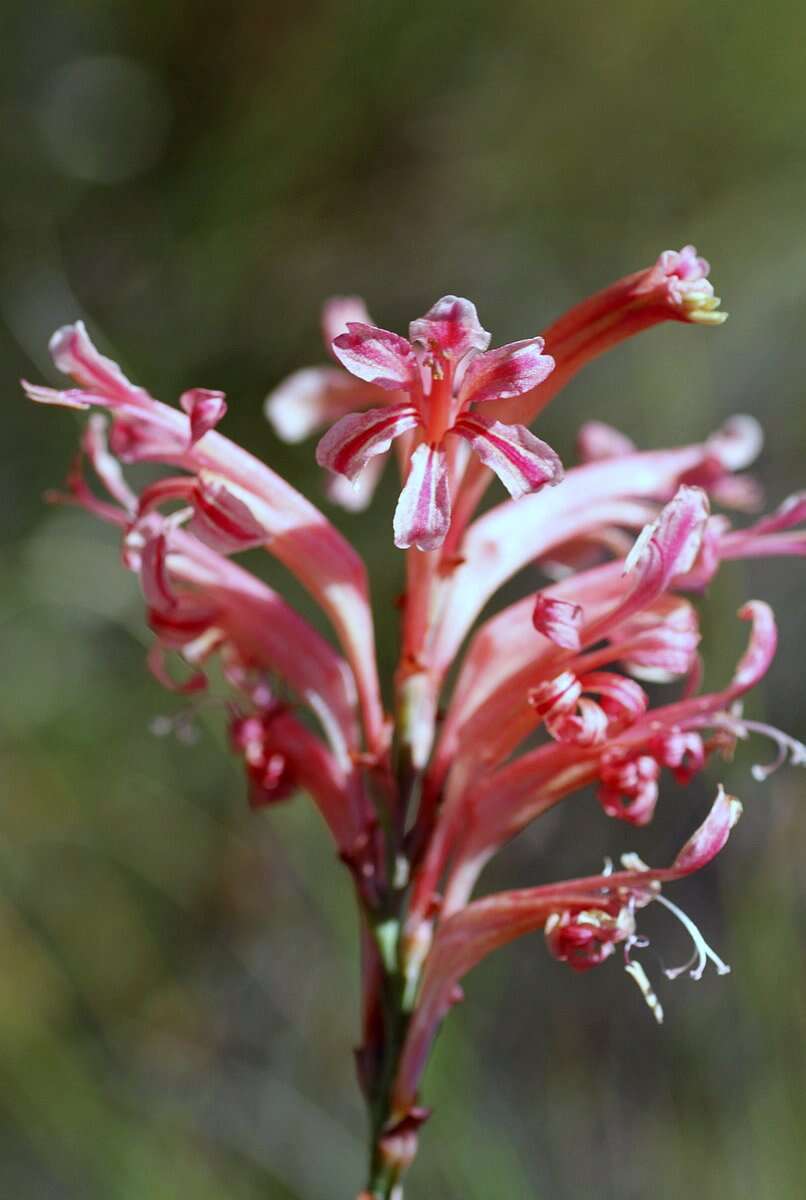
(385, 1168)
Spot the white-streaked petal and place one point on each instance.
(423, 513)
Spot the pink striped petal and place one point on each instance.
(74, 354)
(205, 409)
(520, 460)
(423, 513)
(506, 372)
(558, 620)
(452, 327)
(227, 517)
(377, 356)
(621, 698)
(313, 398)
(105, 465)
(707, 841)
(358, 437)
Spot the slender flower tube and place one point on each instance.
(143, 429)
(484, 925)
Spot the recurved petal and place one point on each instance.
(709, 839)
(105, 465)
(597, 440)
(756, 660)
(423, 513)
(340, 311)
(313, 398)
(737, 443)
(71, 398)
(558, 620)
(358, 437)
(356, 497)
(74, 354)
(205, 409)
(452, 326)
(506, 372)
(377, 356)
(521, 461)
(669, 546)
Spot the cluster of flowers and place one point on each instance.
(417, 803)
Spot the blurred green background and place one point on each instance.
(177, 975)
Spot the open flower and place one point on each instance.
(444, 370)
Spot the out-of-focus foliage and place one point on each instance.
(178, 1001)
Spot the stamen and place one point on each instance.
(638, 974)
(789, 749)
(702, 951)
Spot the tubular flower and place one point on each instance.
(444, 371)
(500, 714)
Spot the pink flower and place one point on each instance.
(500, 714)
(444, 370)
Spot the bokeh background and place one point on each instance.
(177, 975)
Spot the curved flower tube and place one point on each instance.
(483, 926)
(492, 811)
(295, 531)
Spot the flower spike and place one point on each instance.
(549, 696)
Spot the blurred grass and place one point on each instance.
(178, 991)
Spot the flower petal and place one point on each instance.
(72, 398)
(506, 372)
(358, 437)
(105, 465)
(74, 354)
(452, 327)
(227, 517)
(668, 546)
(377, 356)
(737, 443)
(312, 398)
(520, 460)
(597, 440)
(205, 409)
(356, 497)
(558, 620)
(339, 312)
(423, 513)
